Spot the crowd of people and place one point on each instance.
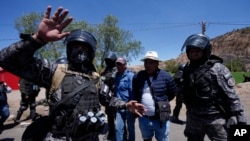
(75, 91)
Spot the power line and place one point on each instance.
(171, 25)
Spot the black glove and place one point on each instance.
(241, 119)
(241, 123)
(230, 121)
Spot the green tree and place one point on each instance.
(28, 24)
(171, 66)
(109, 37)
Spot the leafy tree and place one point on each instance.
(113, 39)
(28, 24)
(109, 37)
(171, 66)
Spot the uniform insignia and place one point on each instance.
(231, 82)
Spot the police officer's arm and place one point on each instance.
(226, 83)
(133, 106)
(18, 57)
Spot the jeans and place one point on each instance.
(125, 121)
(150, 127)
(4, 113)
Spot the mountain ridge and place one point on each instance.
(233, 45)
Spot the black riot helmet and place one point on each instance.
(61, 60)
(81, 37)
(179, 73)
(181, 67)
(198, 41)
(110, 59)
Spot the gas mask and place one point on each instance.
(79, 56)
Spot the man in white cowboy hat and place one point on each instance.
(153, 87)
(153, 55)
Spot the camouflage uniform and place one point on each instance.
(178, 77)
(107, 92)
(29, 92)
(201, 89)
(209, 94)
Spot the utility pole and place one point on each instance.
(203, 27)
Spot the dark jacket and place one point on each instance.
(163, 85)
(18, 59)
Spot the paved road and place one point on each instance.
(14, 133)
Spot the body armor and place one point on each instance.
(198, 86)
(67, 114)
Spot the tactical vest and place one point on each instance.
(198, 85)
(71, 117)
(28, 87)
(110, 78)
(107, 85)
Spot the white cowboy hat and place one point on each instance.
(153, 55)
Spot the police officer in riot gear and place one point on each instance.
(107, 91)
(61, 60)
(208, 86)
(81, 46)
(29, 92)
(178, 78)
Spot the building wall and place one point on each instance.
(11, 79)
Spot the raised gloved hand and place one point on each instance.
(241, 120)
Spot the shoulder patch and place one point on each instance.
(231, 82)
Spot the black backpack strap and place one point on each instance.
(75, 91)
(72, 94)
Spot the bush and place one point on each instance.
(238, 76)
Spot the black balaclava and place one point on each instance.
(79, 60)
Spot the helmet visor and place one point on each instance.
(197, 40)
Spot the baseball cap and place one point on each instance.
(121, 60)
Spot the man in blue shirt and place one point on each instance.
(123, 91)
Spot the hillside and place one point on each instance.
(234, 45)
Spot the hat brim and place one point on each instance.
(120, 62)
(155, 59)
